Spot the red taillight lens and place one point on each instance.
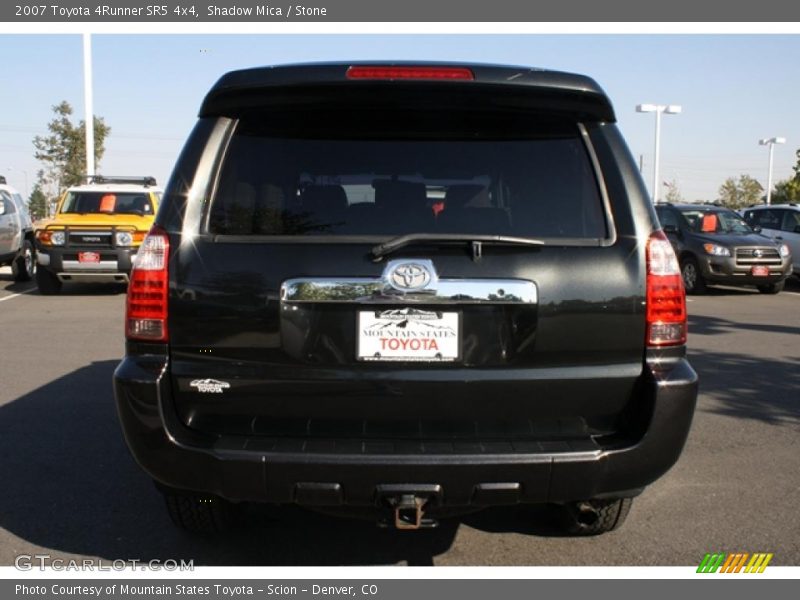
(666, 298)
(386, 72)
(146, 307)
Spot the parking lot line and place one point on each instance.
(17, 294)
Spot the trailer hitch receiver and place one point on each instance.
(408, 505)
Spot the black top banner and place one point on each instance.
(452, 11)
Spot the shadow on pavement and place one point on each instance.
(540, 521)
(70, 485)
(792, 284)
(92, 289)
(8, 284)
(749, 386)
(18, 287)
(705, 325)
(714, 290)
(69, 289)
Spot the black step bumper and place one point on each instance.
(257, 469)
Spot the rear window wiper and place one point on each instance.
(401, 241)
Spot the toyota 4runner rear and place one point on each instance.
(409, 290)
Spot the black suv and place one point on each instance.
(715, 245)
(410, 290)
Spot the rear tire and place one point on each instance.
(48, 284)
(200, 513)
(771, 288)
(693, 280)
(24, 265)
(593, 517)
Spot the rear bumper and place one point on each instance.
(248, 469)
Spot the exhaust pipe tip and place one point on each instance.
(585, 514)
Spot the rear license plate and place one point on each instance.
(760, 271)
(88, 257)
(408, 334)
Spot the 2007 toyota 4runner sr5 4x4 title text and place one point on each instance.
(406, 290)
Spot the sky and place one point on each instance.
(734, 90)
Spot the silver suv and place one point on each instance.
(16, 234)
(780, 222)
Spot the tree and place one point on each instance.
(673, 193)
(63, 150)
(738, 193)
(37, 203)
(788, 190)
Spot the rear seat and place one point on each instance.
(324, 207)
(399, 206)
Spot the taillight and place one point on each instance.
(388, 72)
(146, 307)
(666, 298)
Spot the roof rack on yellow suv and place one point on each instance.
(145, 181)
(96, 231)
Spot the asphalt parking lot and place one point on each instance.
(70, 488)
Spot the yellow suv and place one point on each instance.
(95, 232)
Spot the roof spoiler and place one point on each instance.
(523, 88)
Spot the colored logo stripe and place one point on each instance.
(734, 562)
(758, 563)
(711, 562)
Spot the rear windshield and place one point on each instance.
(108, 203)
(540, 185)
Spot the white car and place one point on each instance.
(780, 222)
(16, 234)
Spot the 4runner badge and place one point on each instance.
(209, 386)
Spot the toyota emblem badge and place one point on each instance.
(409, 275)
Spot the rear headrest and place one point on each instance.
(399, 194)
(457, 196)
(320, 198)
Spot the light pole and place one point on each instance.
(25, 173)
(670, 109)
(771, 143)
(87, 103)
